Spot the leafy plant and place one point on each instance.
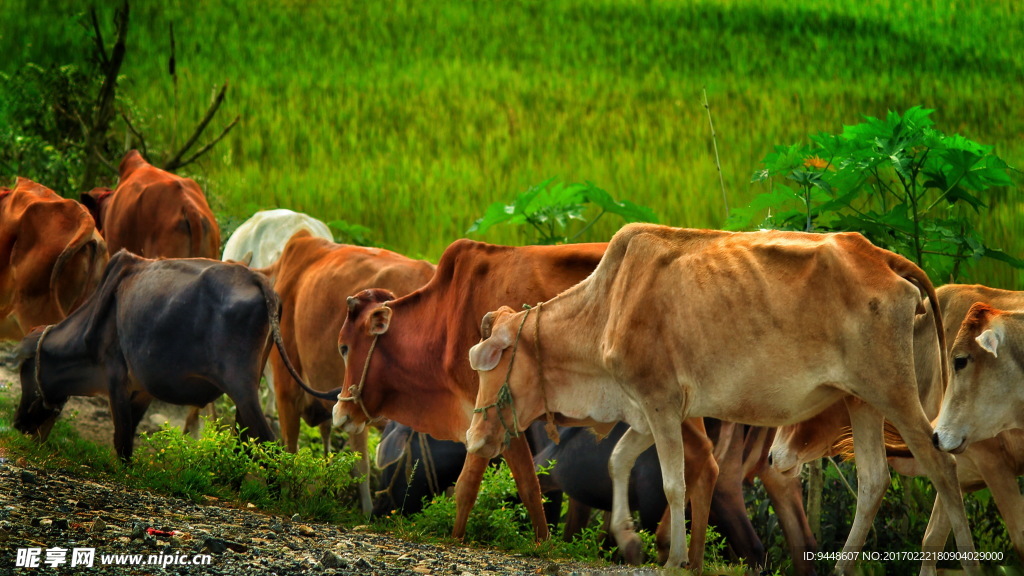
(901, 182)
(550, 207)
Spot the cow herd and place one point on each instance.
(700, 359)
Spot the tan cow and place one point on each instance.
(52, 256)
(994, 463)
(314, 276)
(763, 328)
(986, 394)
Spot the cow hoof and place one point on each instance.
(633, 551)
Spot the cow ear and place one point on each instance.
(486, 354)
(990, 339)
(380, 320)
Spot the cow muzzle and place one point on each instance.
(948, 441)
(343, 420)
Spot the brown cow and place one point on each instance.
(53, 258)
(154, 213)
(313, 277)
(418, 374)
(994, 462)
(763, 328)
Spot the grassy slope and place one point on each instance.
(411, 117)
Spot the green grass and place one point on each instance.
(411, 117)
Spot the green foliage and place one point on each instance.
(497, 518)
(901, 182)
(40, 130)
(348, 233)
(409, 117)
(550, 207)
(220, 464)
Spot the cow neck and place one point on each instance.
(505, 398)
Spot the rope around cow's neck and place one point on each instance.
(355, 393)
(550, 427)
(504, 397)
(39, 363)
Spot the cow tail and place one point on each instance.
(273, 313)
(916, 276)
(81, 240)
(895, 446)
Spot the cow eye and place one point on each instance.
(960, 362)
(344, 350)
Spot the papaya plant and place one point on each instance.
(550, 208)
(900, 181)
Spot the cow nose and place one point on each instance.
(935, 440)
(771, 459)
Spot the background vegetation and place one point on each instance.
(411, 117)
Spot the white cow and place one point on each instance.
(265, 234)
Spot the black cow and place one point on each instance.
(184, 331)
(414, 466)
(581, 472)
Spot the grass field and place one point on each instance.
(411, 117)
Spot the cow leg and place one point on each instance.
(466, 490)
(935, 536)
(786, 495)
(520, 463)
(727, 505)
(325, 436)
(700, 478)
(872, 477)
(1002, 482)
(668, 439)
(289, 400)
(941, 469)
(358, 442)
(249, 417)
(628, 449)
(121, 410)
(576, 519)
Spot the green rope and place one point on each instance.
(505, 392)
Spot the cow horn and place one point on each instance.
(352, 301)
(485, 326)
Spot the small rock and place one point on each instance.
(332, 560)
(306, 531)
(551, 568)
(250, 505)
(214, 546)
(362, 564)
(97, 525)
(28, 477)
(138, 530)
(296, 518)
(421, 569)
(61, 524)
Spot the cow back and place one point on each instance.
(154, 213)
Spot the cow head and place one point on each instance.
(986, 393)
(367, 319)
(39, 408)
(503, 398)
(95, 202)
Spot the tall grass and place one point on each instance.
(411, 117)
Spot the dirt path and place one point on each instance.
(43, 510)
